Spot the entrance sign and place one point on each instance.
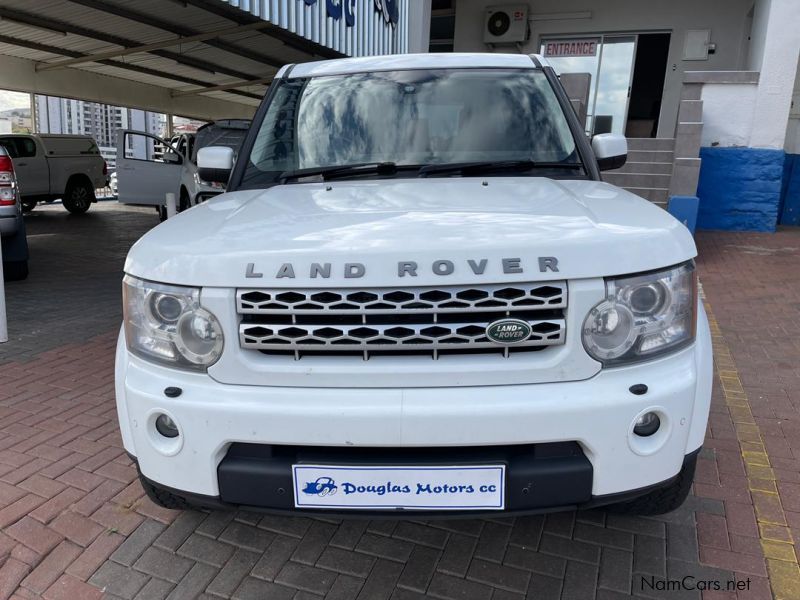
(564, 48)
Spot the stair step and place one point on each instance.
(637, 180)
(655, 168)
(657, 196)
(651, 143)
(662, 156)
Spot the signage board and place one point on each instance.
(427, 487)
(571, 47)
(337, 8)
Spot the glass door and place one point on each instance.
(614, 84)
(609, 60)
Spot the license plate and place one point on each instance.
(421, 488)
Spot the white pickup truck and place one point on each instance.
(50, 166)
(417, 297)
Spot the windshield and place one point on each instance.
(414, 117)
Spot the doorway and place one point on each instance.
(647, 88)
(627, 74)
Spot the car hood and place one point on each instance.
(510, 228)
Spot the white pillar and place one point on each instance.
(774, 51)
(32, 100)
(793, 130)
(171, 205)
(419, 26)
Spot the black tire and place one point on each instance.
(163, 498)
(662, 500)
(184, 203)
(28, 205)
(162, 213)
(16, 270)
(78, 197)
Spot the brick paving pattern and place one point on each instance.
(74, 522)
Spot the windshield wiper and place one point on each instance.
(469, 168)
(331, 172)
(391, 168)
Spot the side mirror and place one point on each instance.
(611, 150)
(214, 164)
(172, 158)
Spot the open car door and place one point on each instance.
(148, 168)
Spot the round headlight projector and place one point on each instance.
(647, 424)
(647, 298)
(166, 426)
(168, 308)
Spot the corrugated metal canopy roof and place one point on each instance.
(235, 47)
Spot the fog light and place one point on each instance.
(166, 426)
(647, 424)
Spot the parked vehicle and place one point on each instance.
(171, 166)
(50, 167)
(12, 225)
(112, 184)
(418, 293)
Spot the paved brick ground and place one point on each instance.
(73, 291)
(73, 519)
(753, 284)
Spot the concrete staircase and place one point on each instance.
(648, 171)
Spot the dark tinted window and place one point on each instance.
(10, 146)
(26, 147)
(19, 147)
(228, 132)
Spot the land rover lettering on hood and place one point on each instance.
(416, 294)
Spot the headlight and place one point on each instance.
(643, 316)
(166, 324)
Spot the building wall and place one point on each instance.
(370, 33)
(790, 190)
(727, 20)
(747, 180)
(721, 102)
(778, 68)
(793, 129)
(758, 35)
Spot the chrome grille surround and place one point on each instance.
(398, 320)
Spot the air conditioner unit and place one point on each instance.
(506, 24)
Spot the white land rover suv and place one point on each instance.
(417, 296)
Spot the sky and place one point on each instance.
(14, 100)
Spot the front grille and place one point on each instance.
(421, 320)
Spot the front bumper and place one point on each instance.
(551, 485)
(596, 414)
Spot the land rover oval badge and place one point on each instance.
(508, 331)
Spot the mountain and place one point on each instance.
(24, 112)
